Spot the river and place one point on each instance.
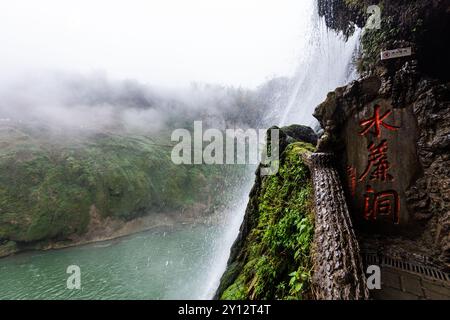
(164, 263)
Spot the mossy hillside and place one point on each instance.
(47, 190)
(276, 260)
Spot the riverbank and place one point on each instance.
(100, 230)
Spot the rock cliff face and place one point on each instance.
(417, 153)
(421, 24)
(405, 164)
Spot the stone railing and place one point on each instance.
(338, 269)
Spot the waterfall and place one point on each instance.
(325, 62)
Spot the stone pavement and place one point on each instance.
(408, 280)
(397, 284)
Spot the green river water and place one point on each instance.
(166, 263)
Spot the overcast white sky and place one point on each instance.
(161, 42)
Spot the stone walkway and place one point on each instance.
(397, 284)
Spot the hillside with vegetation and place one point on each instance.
(93, 161)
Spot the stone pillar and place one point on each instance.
(338, 270)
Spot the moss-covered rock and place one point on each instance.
(273, 259)
(419, 24)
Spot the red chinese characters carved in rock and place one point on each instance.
(351, 172)
(383, 204)
(376, 122)
(378, 160)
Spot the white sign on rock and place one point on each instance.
(396, 53)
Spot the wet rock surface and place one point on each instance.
(421, 24)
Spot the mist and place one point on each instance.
(167, 43)
(147, 66)
(78, 104)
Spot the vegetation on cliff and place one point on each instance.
(419, 24)
(274, 261)
(48, 188)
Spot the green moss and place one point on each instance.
(394, 27)
(277, 250)
(374, 41)
(237, 290)
(353, 3)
